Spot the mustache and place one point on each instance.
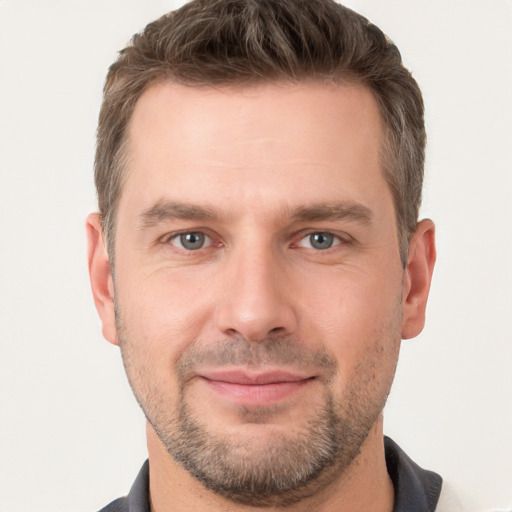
(256, 355)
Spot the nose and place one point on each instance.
(256, 298)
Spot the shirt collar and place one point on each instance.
(416, 489)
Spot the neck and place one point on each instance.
(364, 485)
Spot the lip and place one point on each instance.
(253, 388)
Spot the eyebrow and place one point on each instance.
(171, 210)
(335, 211)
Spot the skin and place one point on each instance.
(258, 160)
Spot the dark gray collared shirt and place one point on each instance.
(416, 489)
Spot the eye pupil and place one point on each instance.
(192, 241)
(321, 241)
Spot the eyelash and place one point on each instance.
(338, 240)
(176, 236)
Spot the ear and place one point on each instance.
(417, 278)
(102, 283)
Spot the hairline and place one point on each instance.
(387, 158)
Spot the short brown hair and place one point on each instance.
(244, 42)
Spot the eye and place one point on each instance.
(190, 241)
(320, 241)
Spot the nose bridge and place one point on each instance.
(255, 301)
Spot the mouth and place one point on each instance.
(255, 389)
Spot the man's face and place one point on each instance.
(258, 282)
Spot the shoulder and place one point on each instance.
(459, 498)
(449, 500)
(138, 498)
(119, 505)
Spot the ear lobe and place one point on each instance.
(100, 276)
(417, 278)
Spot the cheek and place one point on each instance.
(160, 317)
(152, 337)
(163, 310)
(354, 318)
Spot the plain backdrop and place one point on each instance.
(71, 435)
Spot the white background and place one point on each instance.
(71, 435)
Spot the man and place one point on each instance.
(258, 258)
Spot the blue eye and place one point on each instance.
(320, 241)
(191, 241)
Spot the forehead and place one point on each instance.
(256, 140)
(308, 110)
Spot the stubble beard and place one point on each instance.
(265, 472)
(284, 469)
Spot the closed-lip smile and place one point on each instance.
(248, 388)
